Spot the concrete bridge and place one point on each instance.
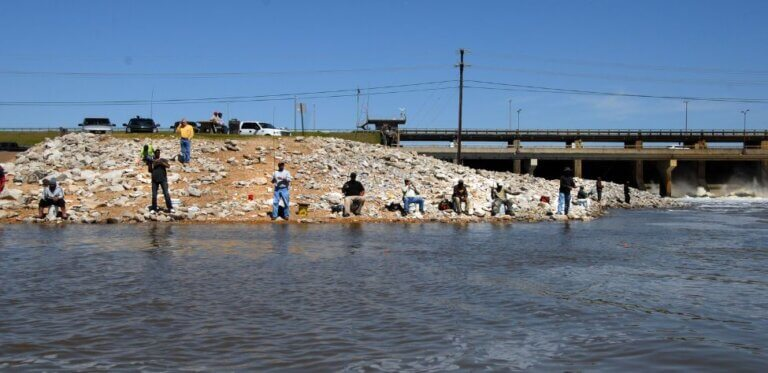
(631, 162)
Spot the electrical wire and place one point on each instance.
(539, 89)
(257, 98)
(209, 75)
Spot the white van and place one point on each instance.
(252, 127)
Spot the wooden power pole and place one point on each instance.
(461, 103)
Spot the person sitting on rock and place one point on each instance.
(2, 179)
(582, 197)
(461, 195)
(500, 196)
(281, 180)
(52, 196)
(410, 196)
(354, 196)
(160, 180)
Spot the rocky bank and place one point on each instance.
(104, 181)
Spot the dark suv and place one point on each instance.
(139, 124)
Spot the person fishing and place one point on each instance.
(564, 193)
(281, 180)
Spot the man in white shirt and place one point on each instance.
(281, 180)
(411, 195)
(52, 196)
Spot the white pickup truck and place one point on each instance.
(253, 127)
(97, 125)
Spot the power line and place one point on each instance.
(208, 75)
(539, 89)
(380, 90)
(611, 77)
(630, 66)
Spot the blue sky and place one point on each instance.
(191, 49)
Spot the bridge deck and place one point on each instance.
(603, 154)
(625, 136)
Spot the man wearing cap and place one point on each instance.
(52, 196)
(281, 180)
(160, 180)
(354, 193)
(186, 132)
(564, 196)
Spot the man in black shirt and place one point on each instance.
(160, 179)
(626, 192)
(564, 196)
(354, 194)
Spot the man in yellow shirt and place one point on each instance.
(186, 132)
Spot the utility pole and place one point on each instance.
(518, 119)
(461, 103)
(510, 114)
(152, 103)
(357, 109)
(686, 115)
(295, 107)
(744, 112)
(302, 106)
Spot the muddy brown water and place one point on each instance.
(638, 290)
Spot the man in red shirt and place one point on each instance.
(2, 179)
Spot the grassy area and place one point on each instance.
(26, 138)
(30, 138)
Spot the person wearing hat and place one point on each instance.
(461, 195)
(2, 179)
(281, 180)
(354, 194)
(564, 193)
(160, 180)
(52, 196)
(411, 196)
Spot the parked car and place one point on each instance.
(97, 125)
(193, 124)
(139, 124)
(252, 127)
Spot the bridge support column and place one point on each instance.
(764, 166)
(638, 173)
(577, 171)
(514, 144)
(701, 174)
(532, 166)
(665, 169)
(637, 144)
(517, 166)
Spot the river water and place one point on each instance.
(637, 290)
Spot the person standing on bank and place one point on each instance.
(354, 193)
(160, 180)
(186, 132)
(564, 196)
(626, 192)
(281, 180)
(599, 188)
